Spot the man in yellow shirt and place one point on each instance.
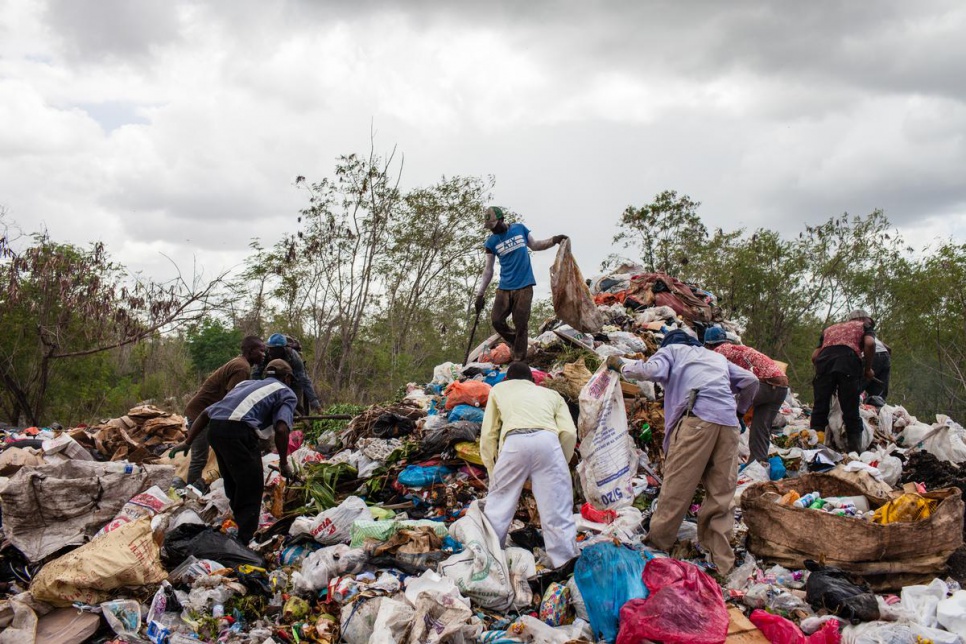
(528, 433)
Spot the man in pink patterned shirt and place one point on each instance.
(772, 387)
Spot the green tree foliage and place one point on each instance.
(211, 344)
(376, 281)
(65, 303)
(665, 232)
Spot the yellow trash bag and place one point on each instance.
(469, 452)
(906, 509)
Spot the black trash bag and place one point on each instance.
(391, 425)
(410, 563)
(440, 439)
(527, 538)
(830, 588)
(203, 542)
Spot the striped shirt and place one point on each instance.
(257, 403)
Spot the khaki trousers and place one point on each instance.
(706, 453)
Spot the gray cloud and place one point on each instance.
(113, 28)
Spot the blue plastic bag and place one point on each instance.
(608, 576)
(466, 412)
(776, 471)
(420, 476)
(495, 377)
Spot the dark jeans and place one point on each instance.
(516, 304)
(199, 455)
(768, 402)
(240, 463)
(882, 366)
(848, 387)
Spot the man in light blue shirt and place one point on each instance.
(700, 438)
(511, 243)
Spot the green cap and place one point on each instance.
(493, 215)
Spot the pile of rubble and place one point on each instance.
(382, 539)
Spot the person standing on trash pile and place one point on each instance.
(280, 349)
(843, 357)
(528, 433)
(510, 243)
(877, 389)
(255, 409)
(700, 440)
(772, 387)
(213, 389)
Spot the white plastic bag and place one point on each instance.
(322, 565)
(836, 425)
(446, 373)
(951, 613)
(523, 566)
(890, 467)
(922, 601)
(480, 571)
(896, 633)
(334, 525)
(607, 451)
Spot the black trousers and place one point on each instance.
(516, 304)
(240, 464)
(848, 386)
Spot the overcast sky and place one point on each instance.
(170, 127)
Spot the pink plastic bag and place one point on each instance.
(685, 607)
(779, 630)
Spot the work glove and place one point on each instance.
(285, 471)
(180, 447)
(479, 303)
(559, 238)
(615, 363)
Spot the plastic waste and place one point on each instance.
(589, 512)
(333, 525)
(741, 576)
(205, 543)
(608, 576)
(951, 613)
(553, 606)
(421, 476)
(923, 601)
(123, 615)
(896, 633)
(776, 469)
(325, 564)
(779, 630)
(466, 412)
(908, 508)
(469, 392)
(679, 592)
(831, 589)
(806, 500)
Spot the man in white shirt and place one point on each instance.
(528, 433)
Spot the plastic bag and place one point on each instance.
(446, 373)
(127, 556)
(572, 301)
(469, 392)
(466, 412)
(123, 616)
(896, 633)
(325, 564)
(500, 354)
(438, 440)
(908, 508)
(922, 601)
(740, 577)
(333, 525)
(522, 566)
(608, 454)
(390, 425)
(205, 543)
(607, 577)
(831, 589)
(779, 630)
(481, 571)
(553, 605)
(421, 476)
(951, 613)
(684, 607)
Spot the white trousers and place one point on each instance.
(538, 457)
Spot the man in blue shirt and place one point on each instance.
(700, 438)
(511, 243)
(254, 409)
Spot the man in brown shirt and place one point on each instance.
(212, 390)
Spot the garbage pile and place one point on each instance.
(381, 537)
